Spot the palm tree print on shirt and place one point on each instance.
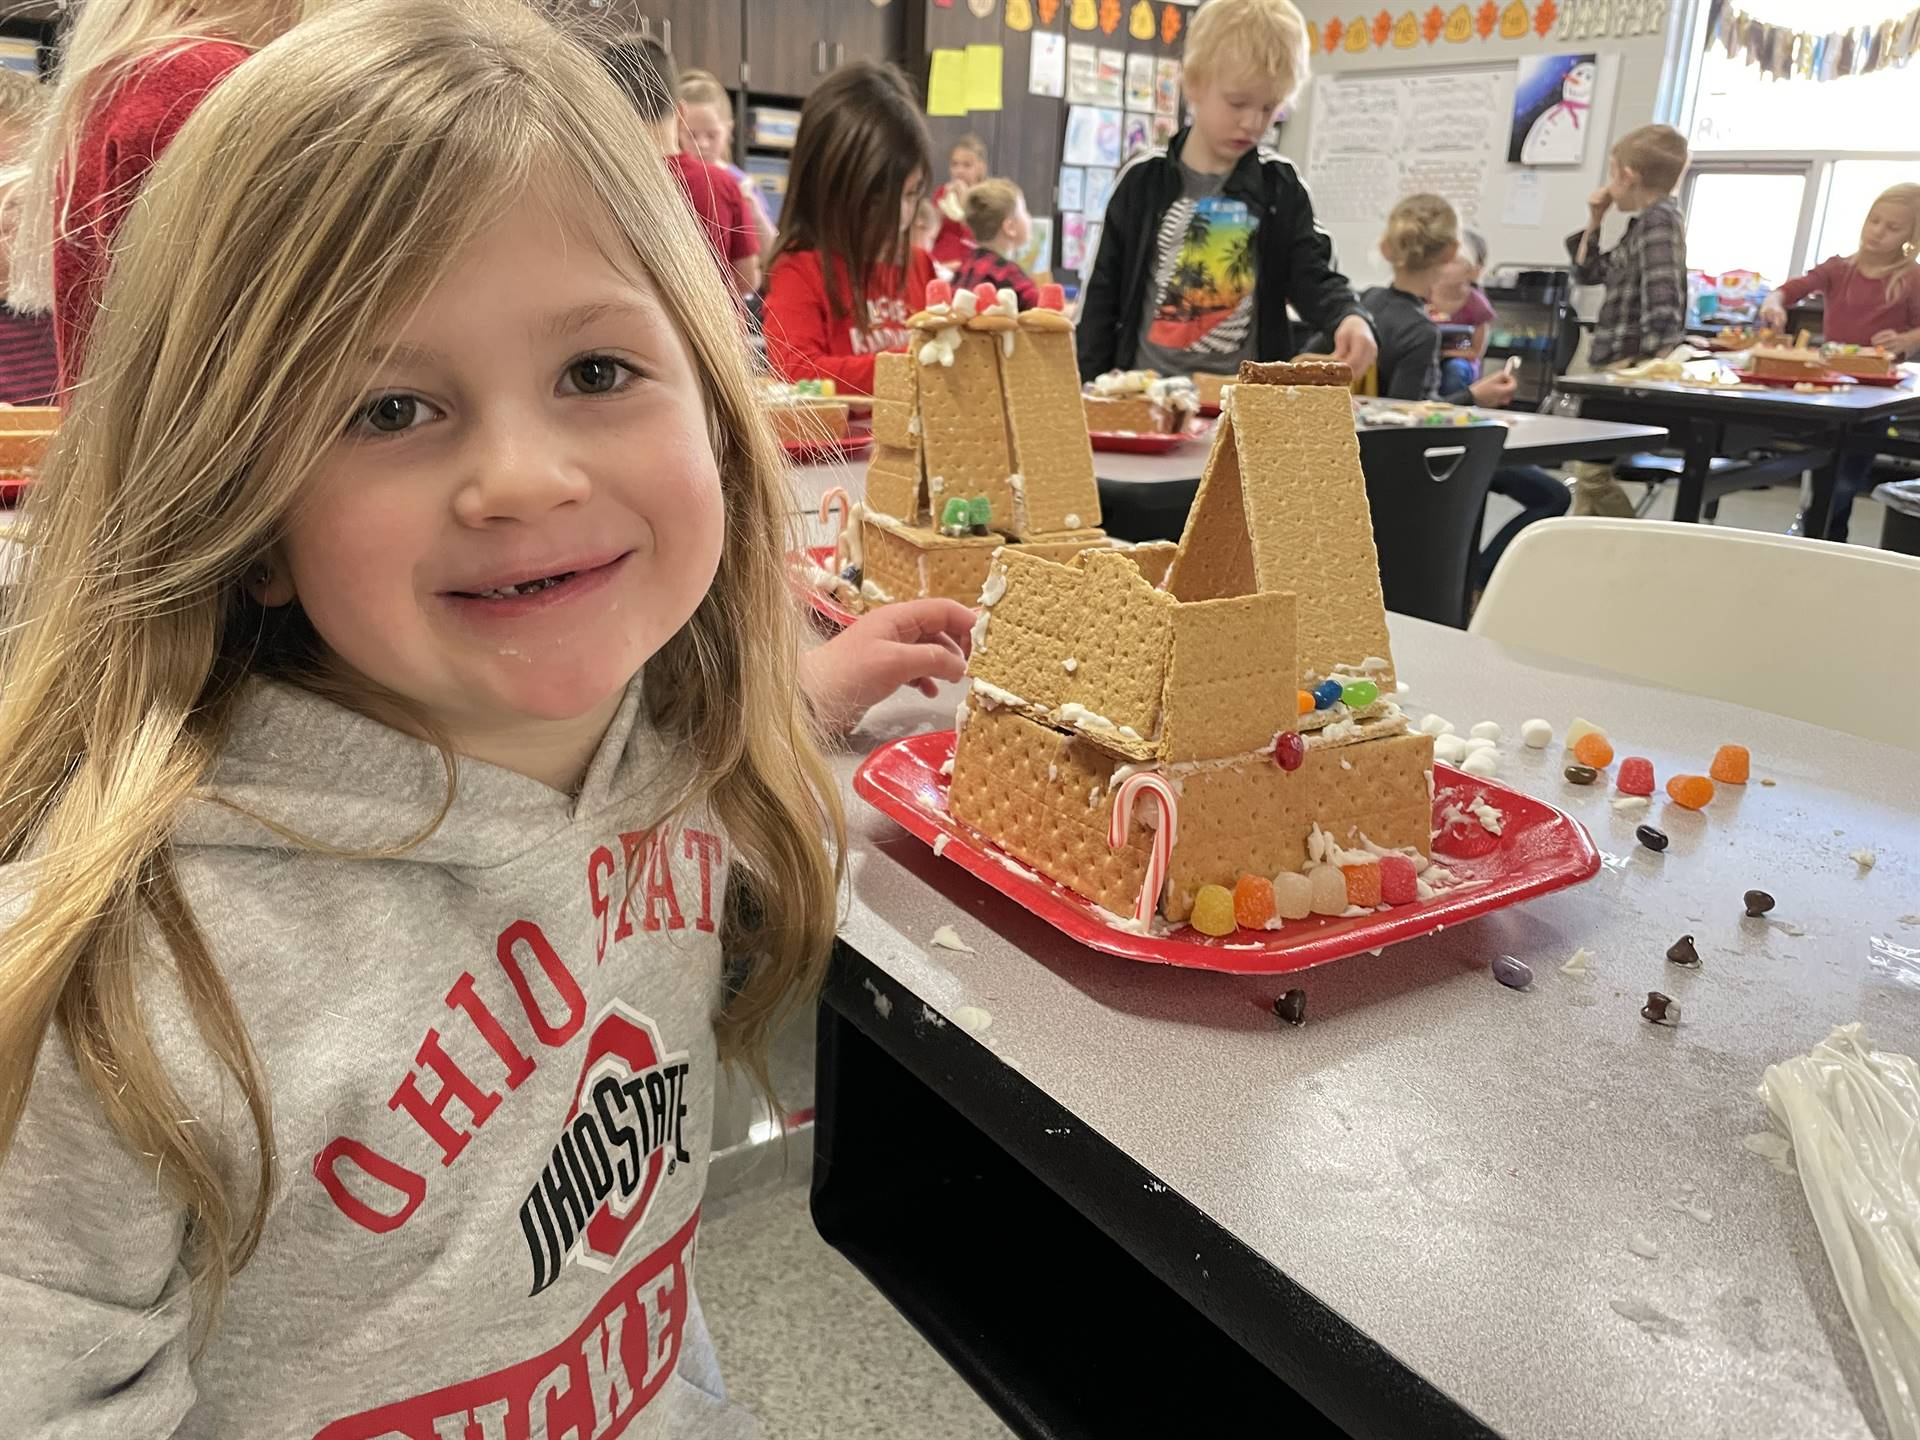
(1204, 277)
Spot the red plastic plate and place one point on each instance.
(1539, 850)
(821, 603)
(1884, 382)
(1208, 412)
(1832, 380)
(14, 490)
(810, 452)
(1127, 443)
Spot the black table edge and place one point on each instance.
(1354, 1382)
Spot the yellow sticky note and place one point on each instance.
(983, 77)
(947, 83)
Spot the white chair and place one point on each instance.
(1819, 632)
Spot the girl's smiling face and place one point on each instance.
(1887, 228)
(526, 505)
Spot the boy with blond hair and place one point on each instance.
(1001, 227)
(1645, 310)
(1209, 238)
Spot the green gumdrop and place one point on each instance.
(980, 511)
(954, 512)
(1358, 694)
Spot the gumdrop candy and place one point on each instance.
(1593, 748)
(1213, 911)
(1305, 703)
(1329, 890)
(953, 515)
(1289, 750)
(939, 292)
(1693, 792)
(1363, 884)
(1253, 902)
(1326, 694)
(1052, 297)
(980, 511)
(1399, 881)
(986, 294)
(1292, 895)
(1359, 693)
(1731, 764)
(1636, 776)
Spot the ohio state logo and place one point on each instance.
(623, 1132)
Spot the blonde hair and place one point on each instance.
(972, 144)
(312, 200)
(1906, 195)
(989, 205)
(1657, 154)
(1422, 231)
(1264, 38)
(703, 87)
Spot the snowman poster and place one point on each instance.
(1553, 110)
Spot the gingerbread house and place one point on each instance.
(1256, 685)
(979, 442)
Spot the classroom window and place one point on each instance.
(1851, 188)
(1744, 220)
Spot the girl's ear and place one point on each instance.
(270, 583)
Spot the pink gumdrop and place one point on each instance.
(1399, 885)
(1052, 297)
(1636, 776)
(939, 292)
(985, 293)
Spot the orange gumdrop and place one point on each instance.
(1691, 791)
(1593, 749)
(1363, 884)
(1253, 906)
(1305, 702)
(1731, 764)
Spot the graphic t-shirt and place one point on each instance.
(1199, 310)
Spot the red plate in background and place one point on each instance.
(1126, 442)
(816, 452)
(1539, 850)
(818, 600)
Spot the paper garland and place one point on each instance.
(1515, 20)
(1787, 54)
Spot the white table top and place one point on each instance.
(1458, 1168)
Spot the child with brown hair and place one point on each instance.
(997, 216)
(845, 276)
(966, 167)
(437, 805)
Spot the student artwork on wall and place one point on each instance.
(1083, 74)
(1036, 257)
(1073, 241)
(1093, 135)
(1073, 187)
(1166, 86)
(1136, 132)
(1139, 81)
(1111, 78)
(1553, 109)
(1047, 64)
(1099, 190)
(1164, 128)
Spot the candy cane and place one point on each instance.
(1163, 836)
(836, 496)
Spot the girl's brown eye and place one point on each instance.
(594, 375)
(391, 413)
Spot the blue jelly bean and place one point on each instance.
(1326, 694)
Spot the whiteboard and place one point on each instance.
(1374, 137)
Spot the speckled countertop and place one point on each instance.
(1458, 1168)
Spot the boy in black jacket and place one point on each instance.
(1205, 243)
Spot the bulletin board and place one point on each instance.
(1374, 137)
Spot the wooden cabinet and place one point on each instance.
(794, 44)
(699, 34)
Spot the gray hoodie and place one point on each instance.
(492, 1082)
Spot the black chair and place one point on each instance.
(1428, 492)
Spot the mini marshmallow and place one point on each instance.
(1481, 763)
(1478, 743)
(1449, 749)
(1486, 730)
(1536, 734)
(1436, 725)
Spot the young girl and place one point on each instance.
(1457, 299)
(706, 122)
(131, 71)
(966, 168)
(844, 279)
(370, 882)
(1872, 298)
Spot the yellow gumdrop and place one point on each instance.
(1213, 911)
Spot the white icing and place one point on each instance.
(875, 593)
(1006, 342)
(972, 1019)
(1536, 734)
(1075, 714)
(1072, 522)
(994, 695)
(946, 939)
(979, 641)
(1864, 858)
(1643, 1247)
(994, 587)
(940, 843)
(1070, 664)
(1626, 804)
(1491, 820)
(850, 548)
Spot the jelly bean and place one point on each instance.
(1363, 884)
(1359, 693)
(1636, 776)
(1513, 973)
(1305, 702)
(1593, 749)
(1326, 694)
(1289, 750)
(1653, 838)
(1399, 881)
(1692, 792)
(1213, 911)
(1292, 895)
(1329, 890)
(1581, 774)
(1253, 902)
(1730, 764)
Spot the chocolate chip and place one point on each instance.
(1512, 973)
(1758, 902)
(1660, 1009)
(1682, 951)
(1292, 1007)
(1582, 774)
(1654, 839)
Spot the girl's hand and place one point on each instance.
(911, 642)
(1354, 345)
(1898, 343)
(1773, 315)
(1494, 391)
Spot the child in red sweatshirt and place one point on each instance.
(845, 276)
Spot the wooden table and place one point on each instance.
(1137, 1204)
(1710, 421)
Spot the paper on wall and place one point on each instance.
(983, 77)
(1139, 81)
(1112, 77)
(1166, 86)
(1083, 73)
(1073, 241)
(1099, 189)
(947, 83)
(1047, 64)
(1073, 188)
(1526, 203)
(1093, 135)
